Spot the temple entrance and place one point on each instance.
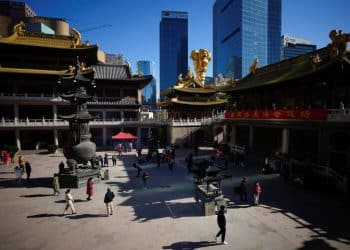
(7, 138)
(39, 139)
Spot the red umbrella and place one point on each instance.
(124, 135)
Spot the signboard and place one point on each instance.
(279, 114)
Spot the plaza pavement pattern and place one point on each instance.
(165, 215)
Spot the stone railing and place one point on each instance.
(338, 115)
(8, 123)
(196, 122)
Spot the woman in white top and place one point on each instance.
(69, 202)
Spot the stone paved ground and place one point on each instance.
(165, 215)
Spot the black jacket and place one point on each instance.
(221, 219)
(109, 197)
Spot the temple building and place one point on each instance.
(30, 65)
(191, 103)
(299, 107)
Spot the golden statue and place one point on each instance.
(254, 67)
(200, 59)
(339, 42)
(19, 28)
(76, 37)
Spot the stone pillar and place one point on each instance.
(54, 111)
(251, 137)
(285, 140)
(139, 96)
(55, 137)
(16, 111)
(18, 138)
(149, 132)
(103, 115)
(224, 134)
(104, 137)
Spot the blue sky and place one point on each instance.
(135, 23)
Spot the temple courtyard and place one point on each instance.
(165, 215)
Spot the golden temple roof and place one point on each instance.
(21, 37)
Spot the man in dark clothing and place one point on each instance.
(244, 184)
(28, 170)
(106, 160)
(135, 165)
(222, 225)
(189, 162)
(109, 196)
(158, 160)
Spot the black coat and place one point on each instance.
(109, 197)
(221, 219)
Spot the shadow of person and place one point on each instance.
(35, 195)
(316, 244)
(189, 245)
(75, 201)
(43, 215)
(82, 216)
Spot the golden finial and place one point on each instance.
(19, 28)
(253, 69)
(76, 37)
(200, 59)
(339, 42)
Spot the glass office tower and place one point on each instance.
(244, 30)
(173, 47)
(149, 92)
(293, 46)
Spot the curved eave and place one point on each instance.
(43, 40)
(139, 81)
(196, 90)
(210, 103)
(289, 69)
(32, 71)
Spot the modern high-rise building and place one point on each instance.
(245, 30)
(149, 92)
(292, 46)
(17, 9)
(173, 47)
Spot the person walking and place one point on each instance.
(244, 184)
(189, 162)
(114, 160)
(89, 188)
(135, 165)
(221, 220)
(109, 196)
(256, 193)
(21, 162)
(69, 202)
(55, 185)
(106, 160)
(145, 177)
(19, 173)
(171, 163)
(158, 160)
(28, 170)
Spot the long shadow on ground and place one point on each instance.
(189, 245)
(34, 182)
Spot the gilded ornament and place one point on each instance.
(253, 69)
(200, 59)
(19, 28)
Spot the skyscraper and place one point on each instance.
(173, 47)
(149, 92)
(244, 30)
(292, 46)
